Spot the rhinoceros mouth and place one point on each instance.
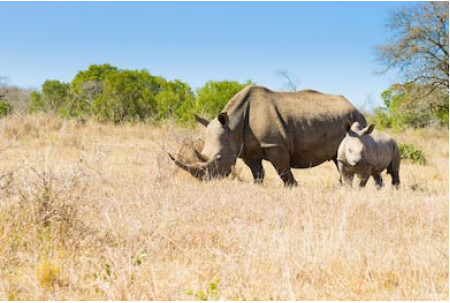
(202, 171)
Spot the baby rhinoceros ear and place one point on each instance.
(368, 130)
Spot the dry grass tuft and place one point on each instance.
(92, 211)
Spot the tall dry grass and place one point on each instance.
(91, 211)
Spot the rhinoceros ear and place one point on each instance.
(347, 125)
(201, 120)
(368, 130)
(223, 119)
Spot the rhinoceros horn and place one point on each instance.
(201, 120)
(197, 170)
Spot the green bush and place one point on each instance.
(175, 100)
(212, 97)
(110, 94)
(5, 108)
(127, 95)
(411, 105)
(53, 98)
(411, 153)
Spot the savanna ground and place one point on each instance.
(91, 211)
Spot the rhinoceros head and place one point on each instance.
(352, 147)
(219, 153)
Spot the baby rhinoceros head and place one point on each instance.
(353, 146)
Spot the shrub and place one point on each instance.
(54, 98)
(215, 95)
(411, 153)
(409, 105)
(5, 108)
(111, 94)
(127, 95)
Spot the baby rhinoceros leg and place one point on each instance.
(393, 170)
(363, 180)
(346, 176)
(378, 180)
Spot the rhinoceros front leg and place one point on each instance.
(337, 166)
(256, 168)
(280, 159)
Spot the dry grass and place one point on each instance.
(97, 212)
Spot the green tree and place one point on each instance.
(212, 97)
(54, 97)
(87, 86)
(403, 109)
(174, 100)
(127, 95)
(5, 108)
(89, 81)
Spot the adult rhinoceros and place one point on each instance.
(290, 129)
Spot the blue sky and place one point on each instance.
(328, 46)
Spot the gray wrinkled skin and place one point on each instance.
(367, 152)
(289, 129)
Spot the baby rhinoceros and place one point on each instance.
(367, 152)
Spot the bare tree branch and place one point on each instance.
(291, 81)
(419, 48)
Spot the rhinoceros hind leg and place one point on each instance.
(288, 178)
(256, 168)
(337, 166)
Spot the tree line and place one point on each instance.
(107, 93)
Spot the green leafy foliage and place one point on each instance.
(127, 95)
(87, 86)
(175, 100)
(88, 83)
(412, 153)
(411, 105)
(110, 94)
(53, 99)
(5, 108)
(214, 96)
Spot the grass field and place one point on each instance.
(91, 211)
